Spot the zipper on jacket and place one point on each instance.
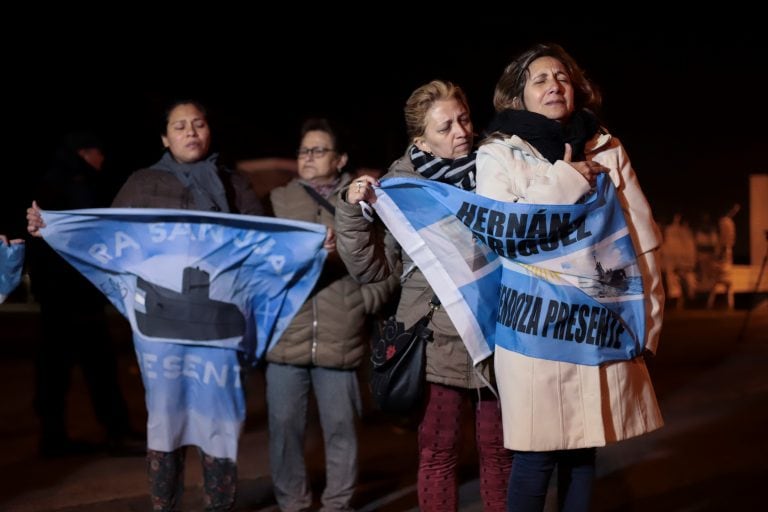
(314, 331)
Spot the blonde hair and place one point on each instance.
(422, 99)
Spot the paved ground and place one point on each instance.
(711, 455)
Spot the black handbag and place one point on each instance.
(399, 357)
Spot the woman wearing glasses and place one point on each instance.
(439, 126)
(325, 342)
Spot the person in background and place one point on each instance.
(70, 304)
(326, 341)
(547, 146)
(707, 243)
(441, 148)
(726, 231)
(726, 239)
(679, 257)
(188, 177)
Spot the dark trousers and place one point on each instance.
(75, 333)
(531, 472)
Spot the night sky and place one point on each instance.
(687, 99)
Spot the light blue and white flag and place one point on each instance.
(11, 264)
(558, 282)
(203, 292)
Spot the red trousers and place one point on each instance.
(439, 447)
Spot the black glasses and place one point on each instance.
(316, 152)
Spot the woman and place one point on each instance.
(187, 177)
(440, 129)
(551, 416)
(325, 342)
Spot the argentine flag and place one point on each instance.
(558, 282)
(205, 293)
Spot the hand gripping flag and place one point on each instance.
(11, 263)
(203, 292)
(558, 282)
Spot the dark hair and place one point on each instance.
(511, 84)
(175, 103)
(321, 124)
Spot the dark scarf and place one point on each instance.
(459, 172)
(546, 135)
(201, 178)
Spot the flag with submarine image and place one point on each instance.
(557, 282)
(206, 294)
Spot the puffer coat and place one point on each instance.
(330, 329)
(372, 254)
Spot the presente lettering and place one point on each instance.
(563, 321)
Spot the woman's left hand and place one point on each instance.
(586, 168)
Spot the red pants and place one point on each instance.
(439, 439)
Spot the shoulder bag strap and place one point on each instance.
(320, 199)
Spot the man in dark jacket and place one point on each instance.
(74, 326)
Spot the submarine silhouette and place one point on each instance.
(187, 315)
(612, 277)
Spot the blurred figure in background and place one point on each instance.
(726, 239)
(726, 231)
(705, 236)
(74, 323)
(679, 258)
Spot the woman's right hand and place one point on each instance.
(586, 168)
(361, 189)
(34, 220)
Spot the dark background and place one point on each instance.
(687, 98)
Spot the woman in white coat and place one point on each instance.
(548, 147)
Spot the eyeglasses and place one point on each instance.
(316, 152)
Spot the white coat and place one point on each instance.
(551, 405)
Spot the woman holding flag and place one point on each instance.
(441, 133)
(556, 413)
(185, 408)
